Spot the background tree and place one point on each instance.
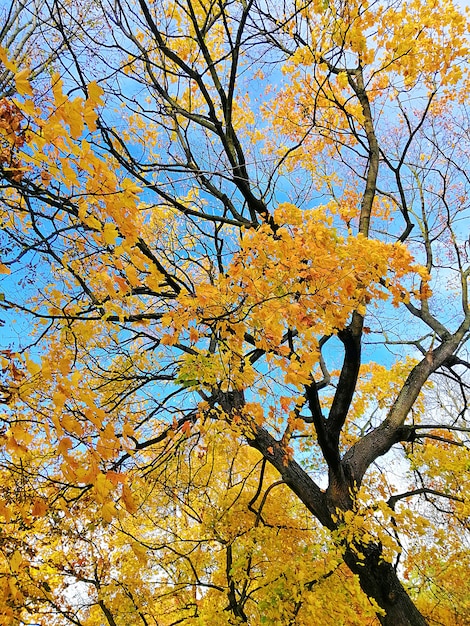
(28, 33)
(248, 226)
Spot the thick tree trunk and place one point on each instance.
(379, 581)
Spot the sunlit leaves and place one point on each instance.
(226, 232)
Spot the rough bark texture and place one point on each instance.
(379, 580)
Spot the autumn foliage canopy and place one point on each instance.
(234, 265)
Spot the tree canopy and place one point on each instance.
(234, 264)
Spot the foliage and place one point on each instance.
(237, 241)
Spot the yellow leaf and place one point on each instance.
(26, 106)
(59, 398)
(193, 334)
(95, 92)
(22, 83)
(139, 550)
(15, 561)
(102, 486)
(76, 378)
(21, 434)
(46, 177)
(57, 90)
(92, 222)
(89, 117)
(115, 477)
(169, 340)
(108, 511)
(110, 233)
(5, 511)
(4, 269)
(10, 65)
(70, 175)
(14, 589)
(70, 423)
(128, 430)
(342, 79)
(130, 187)
(73, 117)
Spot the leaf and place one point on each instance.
(140, 551)
(74, 118)
(5, 511)
(22, 83)
(186, 428)
(108, 512)
(342, 80)
(193, 334)
(46, 177)
(103, 485)
(8, 63)
(110, 233)
(15, 561)
(71, 424)
(95, 93)
(64, 445)
(131, 187)
(39, 508)
(129, 500)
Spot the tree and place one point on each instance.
(29, 36)
(241, 235)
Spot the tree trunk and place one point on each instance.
(379, 580)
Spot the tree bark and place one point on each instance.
(379, 580)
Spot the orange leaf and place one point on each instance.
(186, 428)
(39, 508)
(64, 445)
(128, 500)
